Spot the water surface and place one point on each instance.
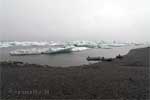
(66, 59)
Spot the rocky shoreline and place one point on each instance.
(126, 78)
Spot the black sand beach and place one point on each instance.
(121, 79)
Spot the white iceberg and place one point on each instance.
(24, 43)
(117, 45)
(37, 51)
(4, 45)
(58, 50)
(75, 49)
(87, 44)
(27, 43)
(32, 51)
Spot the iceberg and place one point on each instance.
(59, 47)
(33, 51)
(58, 50)
(88, 44)
(76, 49)
(38, 51)
(117, 45)
(82, 44)
(4, 45)
(25, 43)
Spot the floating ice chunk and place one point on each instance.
(25, 43)
(37, 51)
(33, 51)
(4, 45)
(30, 43)
(79, 48)
(88, 44)
(59, 50)
(52, 43)
(117, 45)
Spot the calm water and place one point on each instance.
(67, 59)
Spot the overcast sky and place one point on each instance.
(122, 20)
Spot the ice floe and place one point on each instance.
(88, 44)
(75, 49)
(32, 51)
(53, 47)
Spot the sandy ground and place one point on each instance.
(121, 79)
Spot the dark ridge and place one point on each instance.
(137, 57)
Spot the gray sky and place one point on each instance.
(123, 20)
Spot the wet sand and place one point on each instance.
(126, 78)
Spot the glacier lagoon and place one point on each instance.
(52, 53)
